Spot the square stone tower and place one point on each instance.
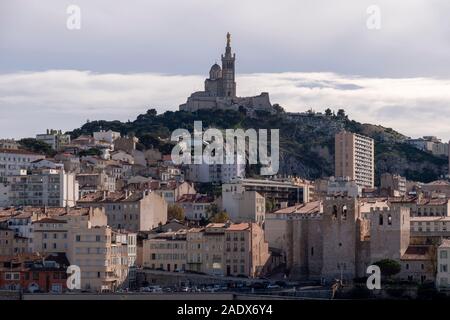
(389, 233)
(341, 228)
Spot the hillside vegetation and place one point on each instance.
(306, 140)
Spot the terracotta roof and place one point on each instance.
(49, 220)
(445, 243)
(20, 151)
(304, 208)
(239, 226)
(118, 196)
(430, 218)
(438, 183)
(418, 253)
(195, 198)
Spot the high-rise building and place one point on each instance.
(43, 187)
(354, 158)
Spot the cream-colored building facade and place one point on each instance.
(221, 249)
(354, 158)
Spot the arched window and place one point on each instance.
(389, 219)
(344, 212)
(335, 210)
(380, 219)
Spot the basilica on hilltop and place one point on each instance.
(220, 90)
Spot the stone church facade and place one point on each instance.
(339, 237)
(220, 90)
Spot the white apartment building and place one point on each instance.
(244, 206)
(108, 136)
(354, 158)
(279, 191)
(343, 186)
(44, 187)
(216, 173)
(55, 138)
(13, 161)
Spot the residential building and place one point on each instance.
(443, 265)
(172, 191)
(122, 156)
(218, 249)
(392, 185)
(10, 144)
(354, 158)
(276, 191)
(430, 144)
(107, 136)
(93, 182)
(133, 211)
(244, 206)
(13, 162)
(343, 186)
(34, 273)
(166, 251)
(55, 138)
(126, 144)
(44, 187)
(195, 206)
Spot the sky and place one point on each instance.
(129, 56)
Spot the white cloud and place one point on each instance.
(30, 102)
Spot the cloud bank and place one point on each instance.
(31, 102)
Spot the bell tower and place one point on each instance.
(228, 72)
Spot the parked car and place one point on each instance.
(273, 286)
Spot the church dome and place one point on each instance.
(215, 72)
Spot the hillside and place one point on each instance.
(306, 139)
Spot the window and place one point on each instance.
(78, 238)
(344, 213)
(380, 219)
(443, 254)
(389, 220)
(335, 212)
(312, 251)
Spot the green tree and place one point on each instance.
(270, 204)
(174, 211)
(90, 152)
(212, 210)
(37, 146)
(328, 112)
(388, 267)
(341, 113)
(220, 217)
